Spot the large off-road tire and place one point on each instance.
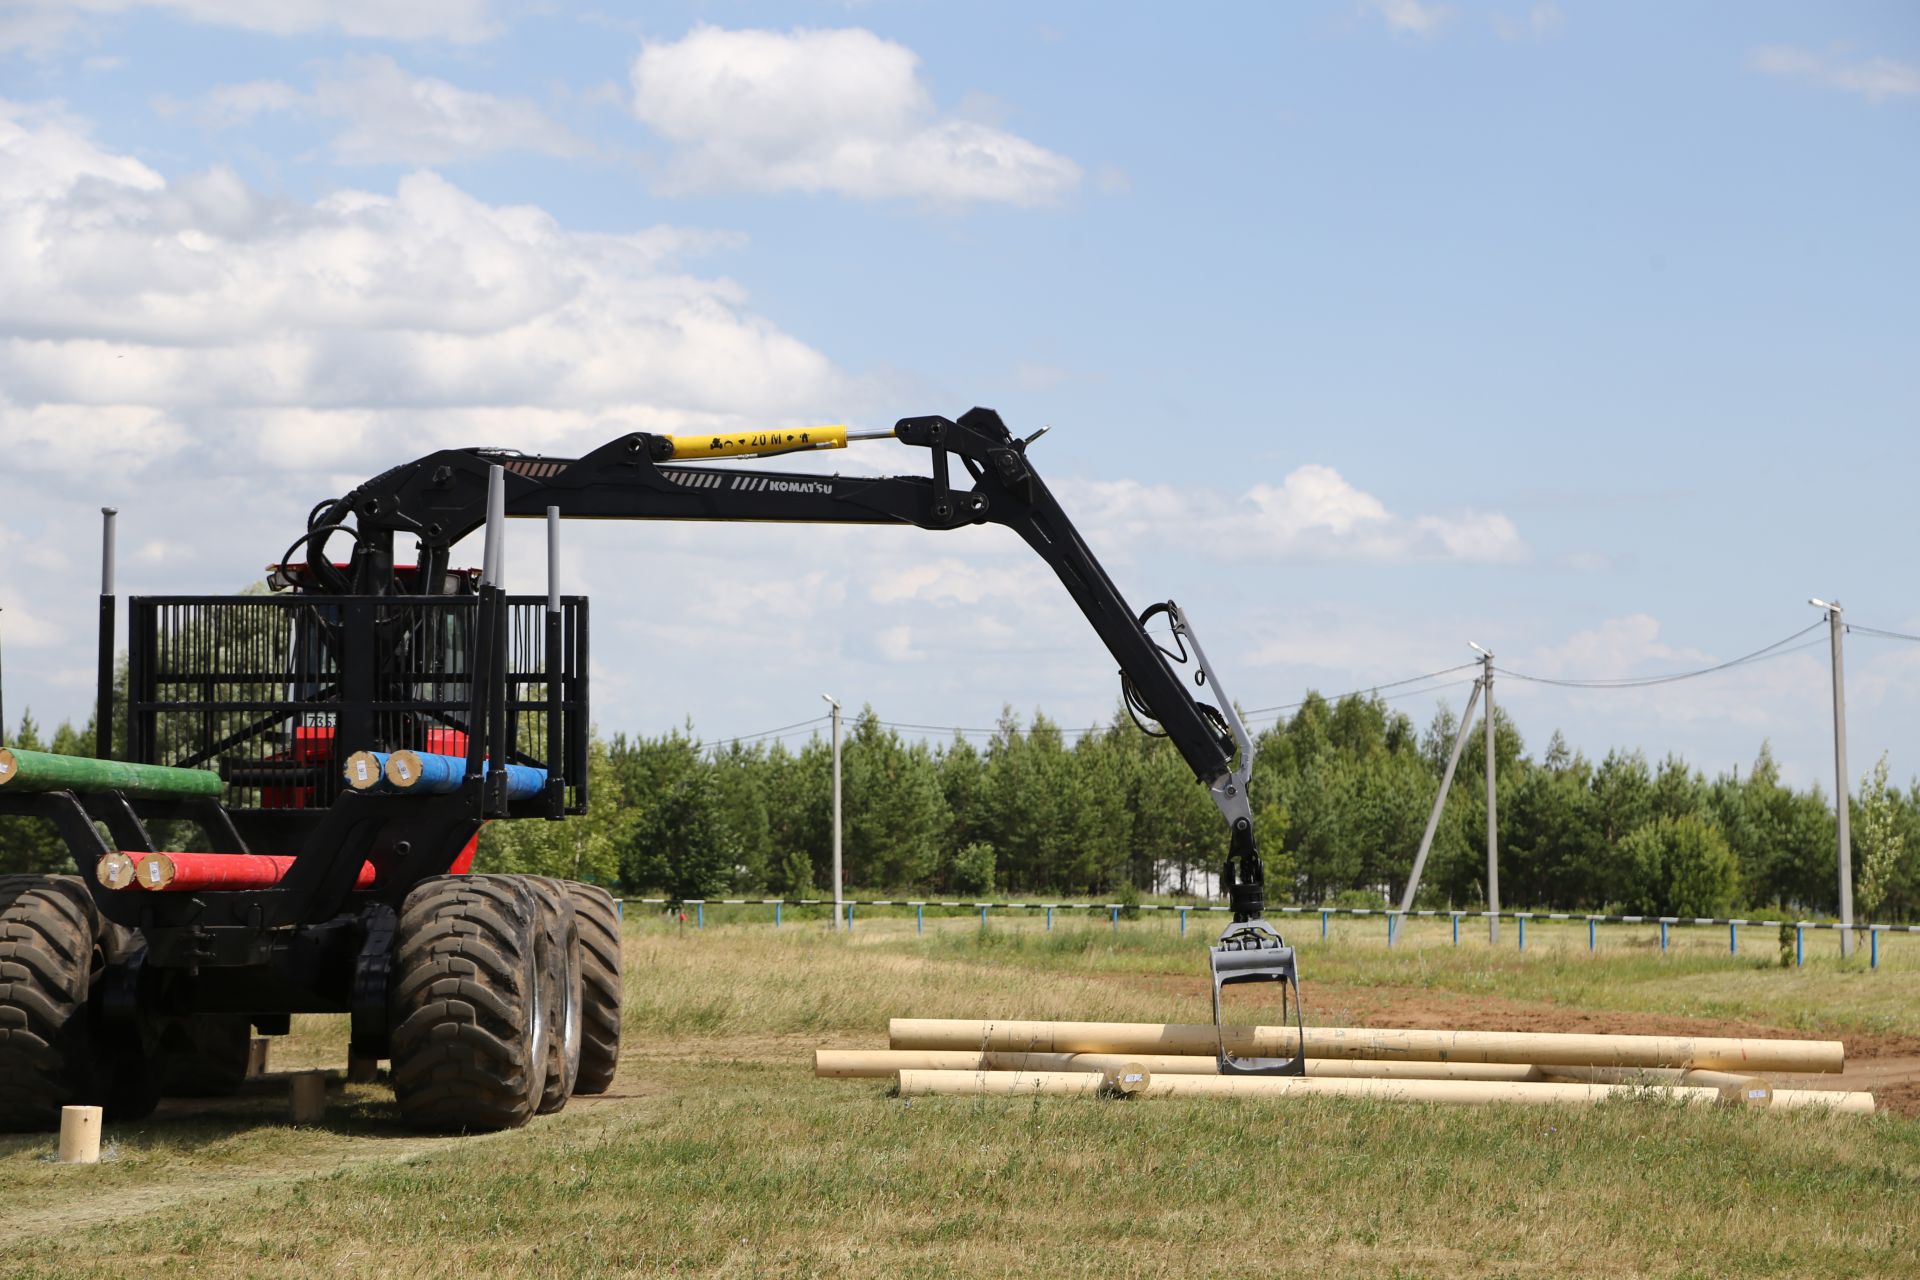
(49, 958)
(560, 971)
(599, 924)
(203, 1055)
(467, 1017)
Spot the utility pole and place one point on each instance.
(839, 910)
(1842, 835)
(1493, 803)
(1439, 804)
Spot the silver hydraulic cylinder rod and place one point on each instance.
(491, 568)
(553, 559)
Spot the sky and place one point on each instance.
(1364, 329)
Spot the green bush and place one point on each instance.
(1678, 867)
(972, 868)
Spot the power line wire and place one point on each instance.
(1880, 632)
(1774, 650)
(766, 733)
(1372, 688)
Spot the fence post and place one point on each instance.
(1663, 935)
(699, 915)
(1733, 938)
(1523, 931)
(920, 918)
(983, 915)
(1456, 928)
(1592, 935)
(1323, 926)
(1799, 947)
(1183, 922)
(849, 916)
(1873, 947)
(1115, 913)
(1390, 923)
(776, 915)
(1049, 919)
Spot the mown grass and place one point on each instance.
(720, 1155)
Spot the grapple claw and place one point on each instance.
(1253, 951)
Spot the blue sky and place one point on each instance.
(1584, 331)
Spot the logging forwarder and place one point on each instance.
(344, 738)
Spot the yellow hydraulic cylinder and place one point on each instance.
(753, 442)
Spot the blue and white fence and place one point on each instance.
(1392, 917)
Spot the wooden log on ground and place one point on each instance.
(1401, 1044)
(1458, 1092)
(80, 1135)
(184, 872)
(1840, 1101)
(886, 1063)
(1736, 1090)
(307, 1097)
(45, 771)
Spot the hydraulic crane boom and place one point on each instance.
(441, 498)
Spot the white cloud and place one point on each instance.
(213, 360)
(42, 25)
(227, 105)
(1313, 515)
(1412, 17)
(393, 117)
(1539, 22)
(1875, 79)
(201, 299)
(842, 111)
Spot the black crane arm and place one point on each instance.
(441, 498)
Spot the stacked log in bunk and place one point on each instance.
(1171, 1060)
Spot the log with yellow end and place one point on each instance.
(1533, 1048)
(915, 1083)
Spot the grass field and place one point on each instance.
(717, 1153)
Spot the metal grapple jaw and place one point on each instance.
(1252, 951)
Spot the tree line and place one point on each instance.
(1341, 793)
